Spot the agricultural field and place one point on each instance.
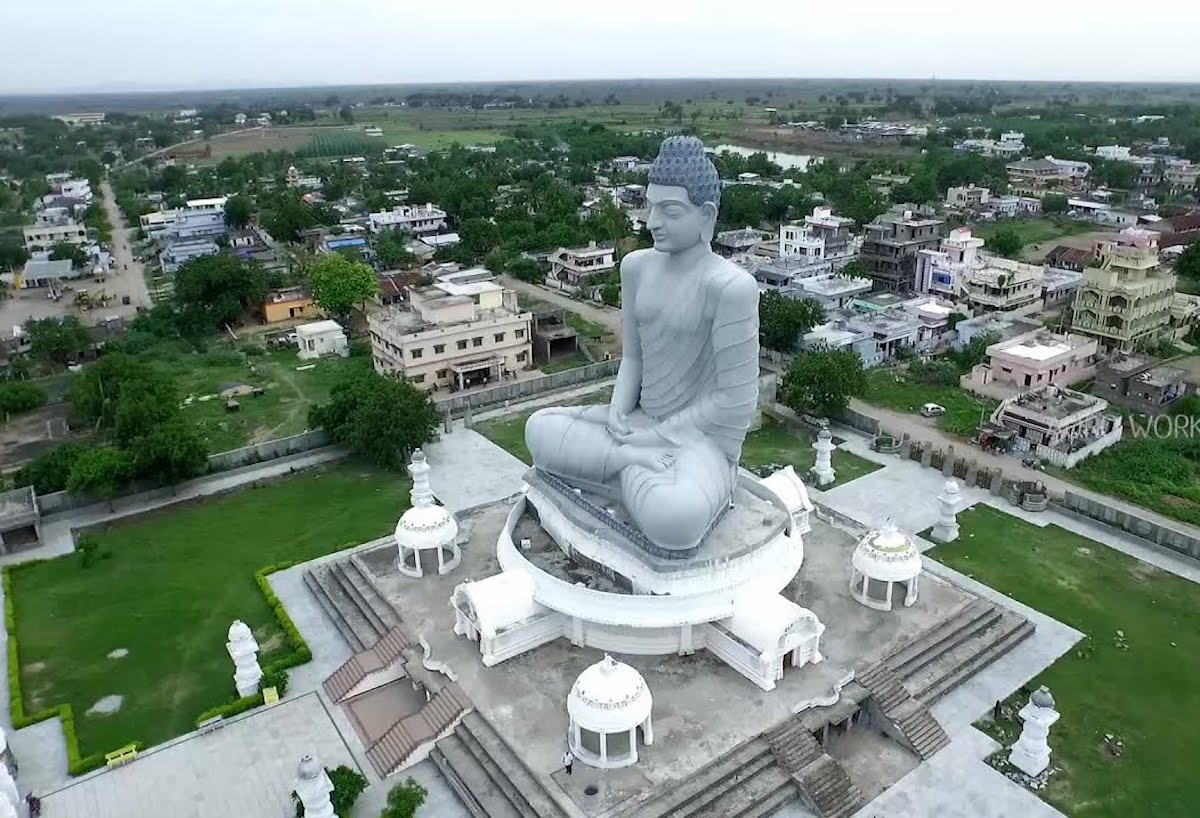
(339, 142)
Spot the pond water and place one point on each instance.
(787, 161)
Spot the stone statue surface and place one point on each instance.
(668, 444)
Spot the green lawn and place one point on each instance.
(1034, 231)
(769, 444)
(888, 388)
(1140, 688)
(562, 364)
(281, 411)
(167, 590)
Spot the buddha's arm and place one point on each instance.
(629, 375)
(724, 414)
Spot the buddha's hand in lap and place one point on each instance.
(618, 423)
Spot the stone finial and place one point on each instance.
(946, 529)
(418, 468)
(313, 788)
(243, 650)
(1042, 698)
(823, 467)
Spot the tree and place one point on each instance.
(340, 284)
(49, 471)
(100, 473)
(346, 114)
(1188, 263)
(823, 382)
(238, 211)
(610, 293)
(384, 418)
(348, 784)
(525, 268)
(65, 251)
(12, 254)
(404, 800)
(391, 250)
(1055, 203)
(214, 290)
(1005, 242)
(855, 269)
(782, 320)
(170, 453)
(20, 397)
(56, 340)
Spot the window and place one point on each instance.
(519, 333)
(442, 374)
(521, 357)
(477, 341)
(462, 344)
(416, 353)
(438, 349)
(418, 379)
(499, 336)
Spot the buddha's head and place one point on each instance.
(683, 195)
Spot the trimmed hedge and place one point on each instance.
(299, 654)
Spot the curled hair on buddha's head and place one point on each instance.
(682, 162)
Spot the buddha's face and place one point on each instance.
(675, 222)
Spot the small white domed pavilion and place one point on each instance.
(607, 704)
(882, 560)
(427, 533)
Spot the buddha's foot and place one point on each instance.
(655, 459)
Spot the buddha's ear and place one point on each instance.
(708, 212)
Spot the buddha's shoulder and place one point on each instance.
(729, 278)
(637, 261)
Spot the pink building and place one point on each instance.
(1033, 360)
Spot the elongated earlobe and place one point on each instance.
(709, 229)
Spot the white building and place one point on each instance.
(574, 267)
(415, 219)
(1002, 285)
(607, 706)
(883, 562)
(1117, 153)
(321, 338)
(831, 290)
(943, 271)
(42, 237)
(820, 237)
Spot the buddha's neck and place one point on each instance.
(686, 260)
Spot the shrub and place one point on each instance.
(277, 678)
(404, 800)
(348, 785)
(20, 397)
(934, 373)
(231, 709)
(49, 472)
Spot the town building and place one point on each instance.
(287, 305)
(1058, 425)
(295, 179)
(43, 274)
(996, 326)
(157, 222)
(877, 337)
(1036, 177)
(1127, 297)
(1063, 257)
(933, 317)
(1002, 285)
(820, 237)
(464, 330)
(415, 219)
(1059, 287)
(578, 267)
(732, 242)
(1116, 153)
(178, 253)
(885, 182)
(41, 238)
(1012, 207)
(89, 118)
(1139, 383)
(321, 338)
(891, 245)
(942, 270)
(832, 291)
(968, 198)
(1183, 317)
(1033, 360)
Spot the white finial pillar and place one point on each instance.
(244, 652)
(1031, 753)
(8, 787)
(8, 810)
(421, 493)
(823, 468)
(946, 529)
(314, 787)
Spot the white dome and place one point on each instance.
(609, 697)
(426, 527)
(887, 555)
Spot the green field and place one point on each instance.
(1134, 676)
(338, 143)
(888, 388)
(1034, 231)
(281, 411)
(167, 589)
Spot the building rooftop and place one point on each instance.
(1162, 376)
(1038, 349)
(318, 327)
(834, 285)
(1128, 364)
(48, 269)
(1057, 402)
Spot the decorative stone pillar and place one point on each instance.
(946, 529)
(313, 787)
(244, 652)
(8, 810)
(8, 788)
(823, 468)
(1031, 753)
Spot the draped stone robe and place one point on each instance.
(691, 341)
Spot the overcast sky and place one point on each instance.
(113, 45)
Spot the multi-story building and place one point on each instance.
(42, 237)
(1127, 297)
(831, 291)
(942, 271)
(155, 223)
(1059, 425)
(892, 243)
(1002, 285)
(995, 326)
(1180, 175)
(877, 337)
(462, 331)
(178, 253)
(1059, 287)
(575, 267)
(967, 198)
(1139, 383)
(1033, 360)
(734, 242)
(415, 219)
(821, 236)
(1035, 177)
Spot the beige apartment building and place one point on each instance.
(462, 331)
(1128, 297)
(1003, 285)
(43, 237)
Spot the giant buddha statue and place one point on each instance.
(667, 445)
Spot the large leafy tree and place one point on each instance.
(49, 471)
(392, 250)
(1188, 263)
(170, 453)
(65, 251)
(823, 381)
(216, 290)
(56, 340)
(782, 320)
(340, 284)
(1005, 242)
(100, 472)
(381, 417)
(238, 211)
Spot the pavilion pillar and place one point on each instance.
(603, 748)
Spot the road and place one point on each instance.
(128, 277)
(610, 318)
(919, 428)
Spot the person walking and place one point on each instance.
(568, 760)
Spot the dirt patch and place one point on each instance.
(274, 643)
(32, 668)
(119, 653)
(106, 706)
(1175, 501)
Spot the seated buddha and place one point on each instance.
(668, 443)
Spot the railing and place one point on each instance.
(532, 387)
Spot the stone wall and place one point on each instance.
(522, 390)
(1175, 539)
(857, 420)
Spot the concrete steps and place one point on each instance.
(379, 656)
(828, 789)
(394, 748)
(933, 643)
(689, 796)
(884, 686)
(923, 732)
(323, 594)
(751, 793)
(793, 745)
(973, 655)
(361, 615)
(475, 759)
